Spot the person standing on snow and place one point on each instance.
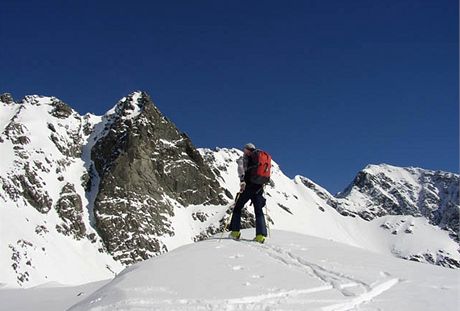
(254, 171)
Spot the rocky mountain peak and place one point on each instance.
(52, 105)
(37, 100)
(6, 98)
(130, 106)
(147, 169)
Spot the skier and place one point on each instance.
(254, 171)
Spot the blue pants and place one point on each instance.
(253, 193)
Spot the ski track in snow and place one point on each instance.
(363, 298)
(354, 291)
(333, 280)
(278, 275)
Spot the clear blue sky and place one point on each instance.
(327, 87)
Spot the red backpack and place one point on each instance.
(262, 167)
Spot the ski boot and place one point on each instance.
(259, 238)
(235, 235)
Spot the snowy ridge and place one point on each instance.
(9, 110)
(291, 272)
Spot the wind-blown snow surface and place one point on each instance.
(291, 272)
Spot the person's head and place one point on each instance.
(249, 148)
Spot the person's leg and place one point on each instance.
(259, 202)
(235, 224)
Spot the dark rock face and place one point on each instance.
(34, 190)
(330, 200)
(6, 98)
(146, 168)
(70, 210)
(439, 200)
(61, 110)
(16, 133)
(438, 259)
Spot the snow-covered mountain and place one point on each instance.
(45, 216)
(84, 196)
(388, 190)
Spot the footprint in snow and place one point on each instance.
(384, 274)
(237, 268)
(236, 256)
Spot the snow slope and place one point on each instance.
(40, 157)
(299, 205)
(46, 297)
(290, 272)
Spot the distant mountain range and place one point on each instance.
(84, 196)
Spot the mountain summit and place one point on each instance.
(146, 169)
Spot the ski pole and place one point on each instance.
(267, 221)
(267, 217)
(226, 224)
(228, 218)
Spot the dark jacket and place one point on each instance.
(246, 167)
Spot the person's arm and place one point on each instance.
(242, 166)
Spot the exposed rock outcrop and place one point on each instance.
(147, 168)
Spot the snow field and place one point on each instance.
(290, 272)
